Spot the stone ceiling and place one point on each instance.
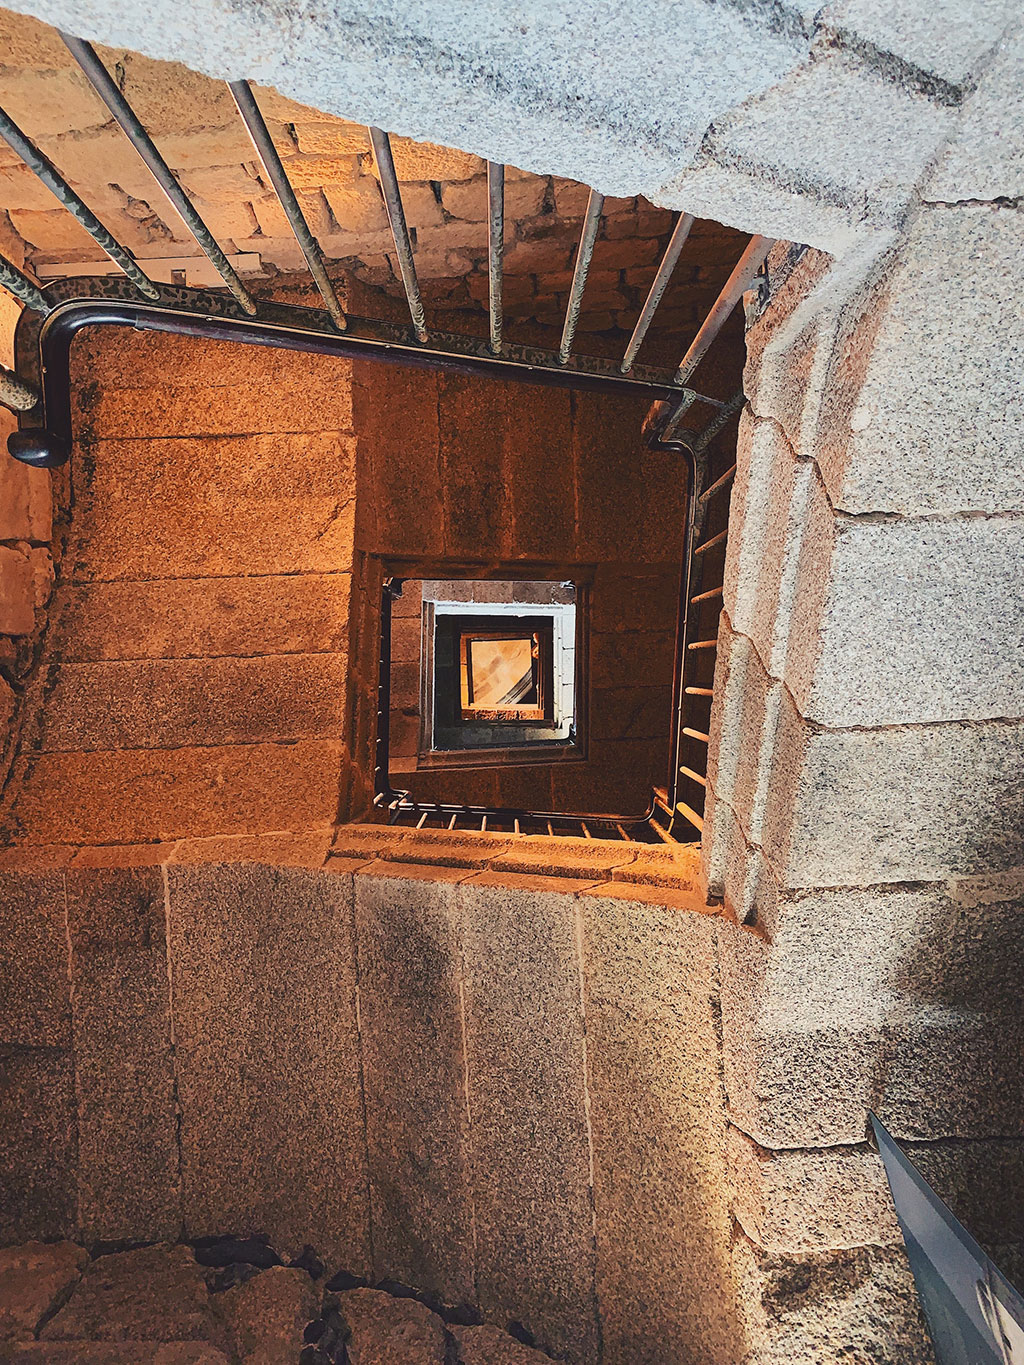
(328, 160)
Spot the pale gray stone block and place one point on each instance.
(898, 621)
(749, 197)
(797, 134)
(986, 157)
(525, 1071)
(925, 406)
(923, 621)
(814, 1199)
(909, 803)
(781, 542)
(856, 807)
(789, 343)
(902, 1001)
(543, 86)
(737, 872)
(743, 729)
(946, 40)
(810, 1200)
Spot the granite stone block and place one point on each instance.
(788, 345)
(152, 1294)
(38, 1198)
(853, 807)
(797, 134)
(417, 1122)
(901, 1000)
(34, 977)
(822, 1199)
(950, 51)
(212, 506)
(525, 1068)
(267, 1315)
(34, 1278)
(663, 1253)
(397, 420)
(157, 703)
(985, 157)
(857, 806)
(476, 484)
(119, 1353)
(922, 622)
(132, 794)
(387, 1331)
(199, 617)
(127, 1115)
(885, 444)
(806, 1308)
(487, 1345)
(611, 60)
(263, 981)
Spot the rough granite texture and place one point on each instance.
(384, 1331)
(524, 1023)
(250, 948)
(128, 1181)
(267, 1314)
(865, 806)
(588, 94)
(32, 1278)
(155, 1293)
(223, 1298)
(893, 999)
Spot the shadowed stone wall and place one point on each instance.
(523, 1114)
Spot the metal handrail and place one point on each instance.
(106, 87)
(385, 162)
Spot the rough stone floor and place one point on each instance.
(223, 1300)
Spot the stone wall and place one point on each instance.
(865, 811)
(192, 674)
(521, 1115)
(26, 565)
(866, 802)
(504, 475)
(196, 652)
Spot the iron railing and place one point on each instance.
(671, 388)
(41, 392)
